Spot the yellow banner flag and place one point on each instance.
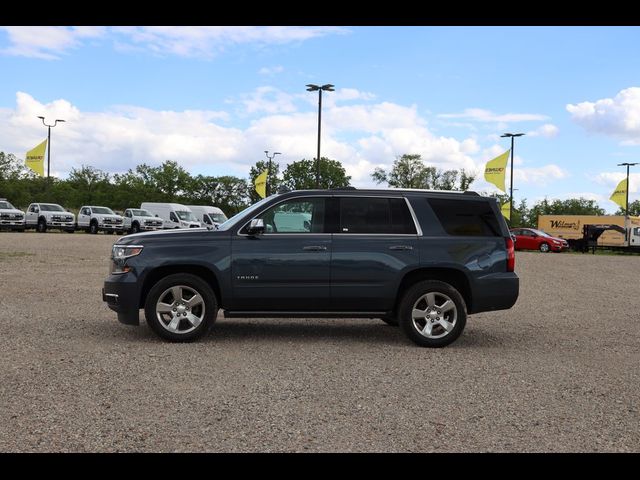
(506, 210)
(496, 170)
(34, 159)
(620, 194)
(261, 184)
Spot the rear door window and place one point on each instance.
(375, 215)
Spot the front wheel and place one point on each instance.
(42, 226)
(432, 313)
(93, 228)
(544, 247)
(181, 307)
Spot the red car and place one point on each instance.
(532, 239)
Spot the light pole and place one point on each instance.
(511, 186)
(266, 152)
(49, 142)
(626, 210)
(312, 88)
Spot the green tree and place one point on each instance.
(230, 193)
(301, 175)
(91, 186)
(410, 171)
(272, 176)
(634, 209)
(520, 211)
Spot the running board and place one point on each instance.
(272, 314)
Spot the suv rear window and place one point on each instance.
(375, 215)
(466, 217)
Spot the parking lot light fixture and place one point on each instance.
(328, 87)
(626, 209)
(511, 185)
(49, 141)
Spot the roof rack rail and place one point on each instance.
(349, 187)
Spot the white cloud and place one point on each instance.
(612, 179)
(271, 70)
(47, 42)
(482, 115)
(50, 42)
(618, 117)
(547, 130)
(361, 136)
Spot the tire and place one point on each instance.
(440, 326)
(119, 232)
(544, 247)
(135, 228)
(390, 320)
(204, 310)
(41, 227)
(110, 232)
(93, 228)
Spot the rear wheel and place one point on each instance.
(181, 307)
(93, 228)
(135, 228)
(42, 226)
(432, 313)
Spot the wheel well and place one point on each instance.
(93, 220)
(155, 275)
(453, 277)
(43, 218)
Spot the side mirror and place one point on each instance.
(256, 227)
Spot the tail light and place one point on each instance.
(511, 254)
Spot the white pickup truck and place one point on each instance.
(95, 219)
(139, 219)
(43, 216)
(10, 217)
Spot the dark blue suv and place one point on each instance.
(418, 258)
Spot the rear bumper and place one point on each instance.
(496, 291)
(121, 295)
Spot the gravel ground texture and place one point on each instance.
(559, 372)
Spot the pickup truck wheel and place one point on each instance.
(135, 228)
(42, 226)
(389, 320)
(544, 247)
(181, 307)
(93, 228)
(432, 313)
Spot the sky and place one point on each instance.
(215, 98)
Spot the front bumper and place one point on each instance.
(121, 294)
(559, 248)
(11, 223)
(110, 226)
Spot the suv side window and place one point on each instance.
(472, 218)
(375, 215)
(85, 211)
(299, 215)
(173, 218)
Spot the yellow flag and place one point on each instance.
(496, 169)
(506, 210)
(34, 159)
(261, 184)
(620, 194)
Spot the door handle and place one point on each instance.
(400, 247)
(314, 248)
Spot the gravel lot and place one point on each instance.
(556, 373)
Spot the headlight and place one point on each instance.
(122, 252)
(119, 256)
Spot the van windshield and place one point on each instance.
(186, 216)
(218, 217)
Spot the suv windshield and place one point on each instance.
(186, 216)
(141, 213)
(6, 206)
(102, 210)
(51, 207)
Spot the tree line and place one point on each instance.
(169, 182)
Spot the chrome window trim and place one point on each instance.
(413, 216)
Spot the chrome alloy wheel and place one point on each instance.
(434, 315)
(180, 309)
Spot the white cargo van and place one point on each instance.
(174, 215)
(208, 215)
